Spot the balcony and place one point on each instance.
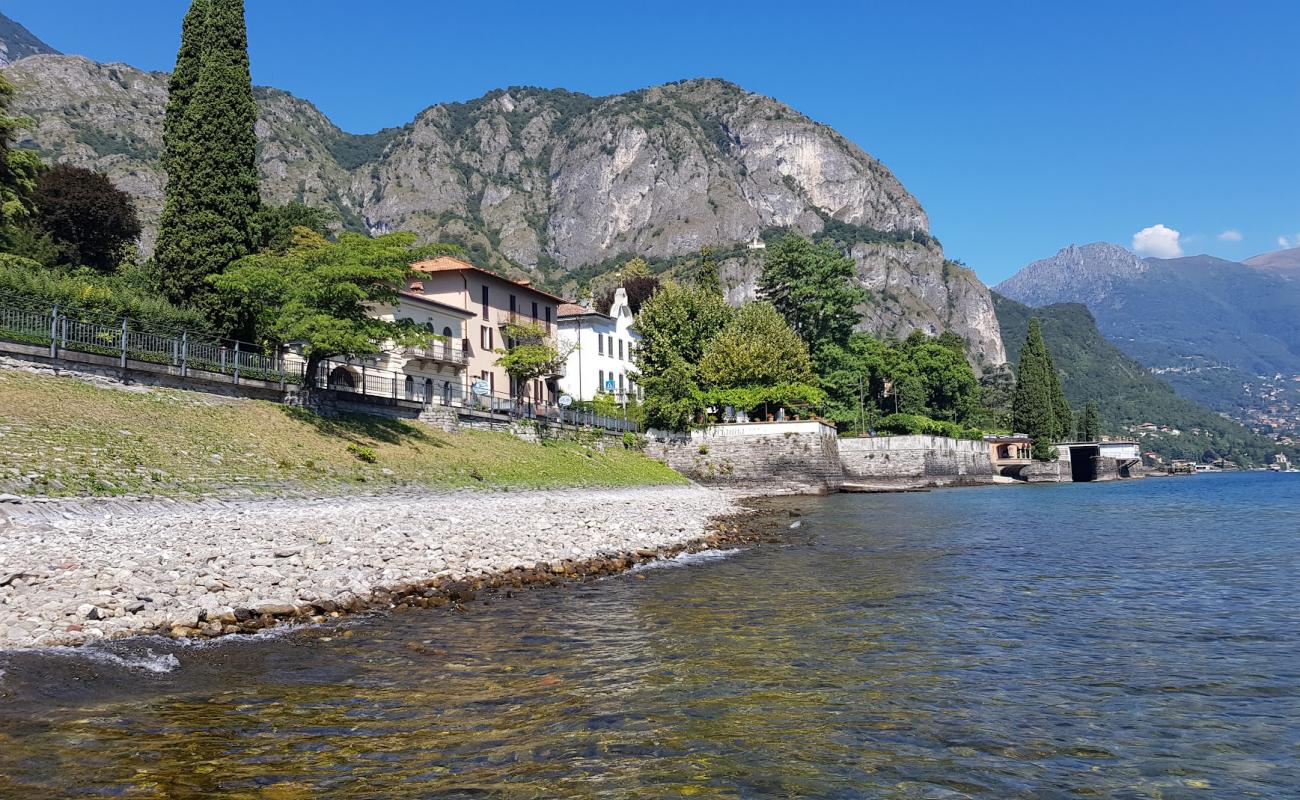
(516, 318)
(440, 353)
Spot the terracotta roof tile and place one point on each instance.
(452, 264)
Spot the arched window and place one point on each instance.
(428, 390)
(410, 388)
(341, 378)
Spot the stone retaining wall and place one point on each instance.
(915, 460)
(789, 456)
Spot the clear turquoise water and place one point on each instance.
(1135, 640)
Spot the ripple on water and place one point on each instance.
(1086, 641)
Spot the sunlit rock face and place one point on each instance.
(549, 181)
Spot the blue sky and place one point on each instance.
(1021, 127)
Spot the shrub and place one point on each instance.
(914, 424)
(103, 297)
(363, 453)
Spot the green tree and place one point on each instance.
(756, 346)
(933, 378)
(705, 273)
(676, 325)
(210, 152)
(853, 377)
(18, 167)
(320, 293)
(758, 360)
(91, 222)
(1032, 409)
(273, 225)
(1061, 411)
(813, 286)
(1091, 423)
(530, 353)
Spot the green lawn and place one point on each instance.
(65, 437)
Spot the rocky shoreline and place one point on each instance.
(73, 572)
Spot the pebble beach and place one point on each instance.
(72, 572)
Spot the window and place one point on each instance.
(601, 386)
(610, 344)
(600, 345)
(620, 383)
(410, 388)
(490, 378)
(485, 338)
(513, 304)
(548, 319)
(620, 349)
(534, 312)
(483, 298)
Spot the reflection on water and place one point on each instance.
(1134, 640)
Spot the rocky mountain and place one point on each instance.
(17, 42)
(1127, 394)
(1280, 260)
(1223, 333)
(553, 183)
(1077, 274)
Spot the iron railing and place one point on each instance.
(371, 384)
(130, 341)
(446, 353)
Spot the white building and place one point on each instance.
(601, 361)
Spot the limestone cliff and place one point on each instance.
(549, 181)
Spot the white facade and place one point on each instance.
(1120, 451)
(603, 347)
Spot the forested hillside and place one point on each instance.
(1127, 394)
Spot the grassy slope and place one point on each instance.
(73, 438)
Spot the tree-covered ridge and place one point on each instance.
(1095, 371)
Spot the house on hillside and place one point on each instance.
(493, 302)
(603, 346)
(431, 374)
(434, 373)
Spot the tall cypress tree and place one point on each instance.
(1060, 406)
(211, 154)
(1032, 407)
(1091, 423)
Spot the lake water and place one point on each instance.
(1133, 640)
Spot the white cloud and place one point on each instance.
(1157, 241)
(1283, 242)
(1230, 235)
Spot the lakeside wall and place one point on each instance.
(808, 456)
(915, 460)
(789, 456)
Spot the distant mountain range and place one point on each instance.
(1224, 333)
(548, 183)
(1127, 394)
(1280, 261)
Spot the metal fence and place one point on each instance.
(368, 384)
(127, 341)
